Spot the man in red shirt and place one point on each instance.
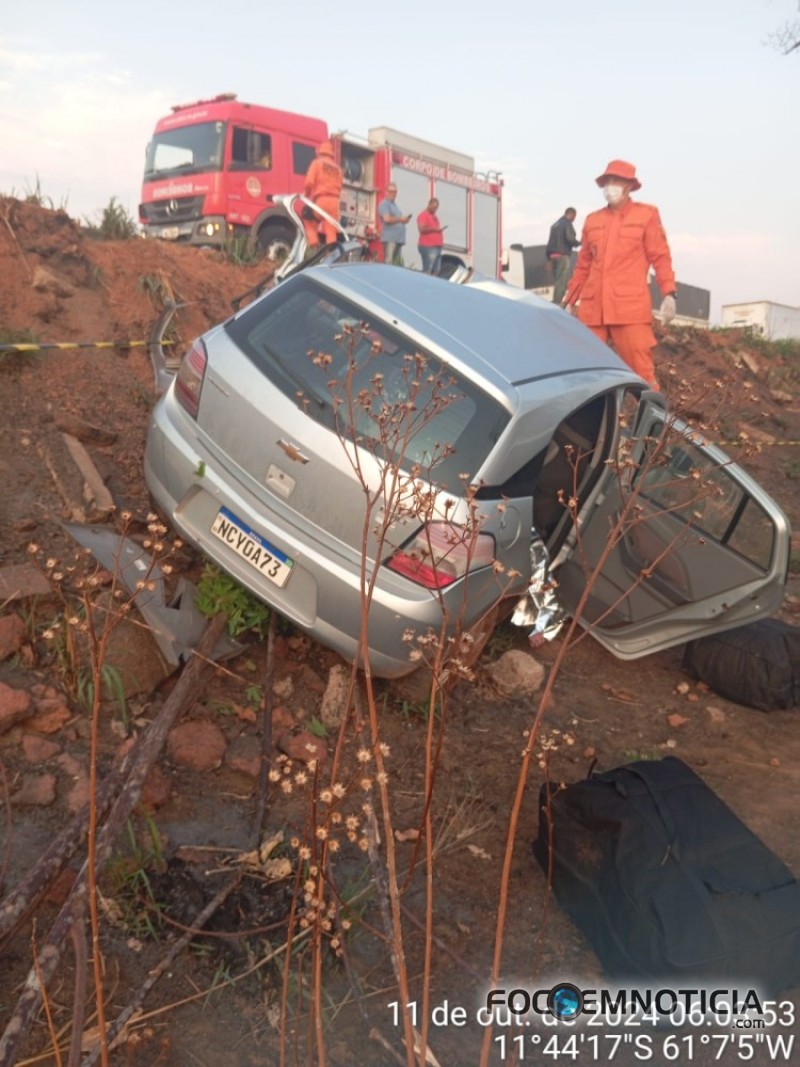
(619, 244)
(431, 237)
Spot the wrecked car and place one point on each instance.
(284, 418)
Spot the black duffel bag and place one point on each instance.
(665, 881)
(757, 665)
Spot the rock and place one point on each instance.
(675, 720)
(71, 766)
(156, 790)
(15, 706)
(51, 714)
(36, 791)
(98, 499)
(84, 431)
(516, 673)
(244, 755)
(780, 396)
(44, 281)
(12, 634)
(198, 745)
(750, 362)
(132, 652)
(682, 688)
(715, 715)
(303, 746)
(333, 707)
(311, 680)
(37, 749)
(78, 795)
(283, 688)
(44, 692)
(282, 719)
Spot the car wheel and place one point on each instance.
(275, 239)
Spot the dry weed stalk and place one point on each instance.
(377, 431)
(95, 628)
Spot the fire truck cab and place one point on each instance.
(214, 167)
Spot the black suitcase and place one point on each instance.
(757, 665)
(666, 882)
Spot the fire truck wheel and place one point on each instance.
(275, 239)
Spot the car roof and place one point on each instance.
(506, 337)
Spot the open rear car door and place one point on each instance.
(676, 542)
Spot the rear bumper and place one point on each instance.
(323, 594)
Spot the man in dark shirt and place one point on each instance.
(559, 252)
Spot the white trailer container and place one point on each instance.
(776, 322)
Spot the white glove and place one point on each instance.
(667, 309)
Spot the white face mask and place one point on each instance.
(613, 193)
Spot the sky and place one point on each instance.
(691, 92)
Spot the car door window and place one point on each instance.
(696, 488)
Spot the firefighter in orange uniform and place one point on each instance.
(619, 244)
(324, 187)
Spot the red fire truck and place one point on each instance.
(213, 168)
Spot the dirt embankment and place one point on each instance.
(60, 285)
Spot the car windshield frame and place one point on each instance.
(204, 140)
(370, 383)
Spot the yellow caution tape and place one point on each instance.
(63, 345)
(760, 444)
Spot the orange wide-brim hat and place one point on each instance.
(618, 168)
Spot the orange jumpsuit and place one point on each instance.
(324, 187)
(618, 246)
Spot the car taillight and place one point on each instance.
(189, 381)
(441, 553)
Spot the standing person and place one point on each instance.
(560, 243)
(619, 244)
(431, 237)
(323, 186)
(393, 227)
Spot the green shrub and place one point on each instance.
(114, 223)
(217, 591)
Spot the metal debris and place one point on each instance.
(176, 626)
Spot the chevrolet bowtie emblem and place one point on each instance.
(292, 451)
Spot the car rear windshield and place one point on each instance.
(369, 383)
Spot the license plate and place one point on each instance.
(170, 233)
(252, 547)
